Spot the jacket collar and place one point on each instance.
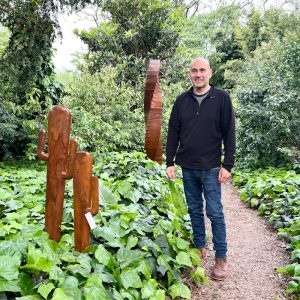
(211, 92)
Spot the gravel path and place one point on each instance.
(254, 250)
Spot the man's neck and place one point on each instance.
(201, 91)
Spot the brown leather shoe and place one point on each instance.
(202, 252)
(220, 271)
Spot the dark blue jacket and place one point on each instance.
(196, 133)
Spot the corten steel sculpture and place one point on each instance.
(86, 198)
(60, 154)
(153, 113)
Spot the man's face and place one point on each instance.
(199, 74)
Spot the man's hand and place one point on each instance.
(170, 171)
(223, 175)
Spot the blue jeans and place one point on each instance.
(196, 184)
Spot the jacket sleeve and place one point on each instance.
(228, 133)
(173, 136)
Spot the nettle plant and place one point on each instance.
(141, 248)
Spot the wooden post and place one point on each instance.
(153, 113)
(60, 154)
(86, 198)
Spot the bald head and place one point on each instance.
(199, 60)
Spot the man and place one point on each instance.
(202, 119)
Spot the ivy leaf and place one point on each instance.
(128, 257)
(11, 248)
(180, 290)
(292, 287)
(131, 242)
(78, 269)
(13, 205)
(36, 261)
(149, 288)
(71, 289)
(125, 189)
(198, 276)
(106, 232)
(195, 257)
(183, 259)
(9, 267)
(159, 295)
(117, 295)
(104, 257)
(84, 266)
(56, 274)
(59, 294)
(107, 195)
(9, 286)
(94, 289)
(45, 289)
(254, 202)
(182, 244)
(130, 278)
(295, 254)
(26, 283)
(145, 269)
(163, 265)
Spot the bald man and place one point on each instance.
(202, 120)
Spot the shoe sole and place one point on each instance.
(218, 278)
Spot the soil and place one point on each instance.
(254, 252)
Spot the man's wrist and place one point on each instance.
(170, 164)
(228, 168)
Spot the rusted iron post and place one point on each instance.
(86, 198)
(60, 154)
(153, 113)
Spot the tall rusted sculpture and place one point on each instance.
(153, 113)
(86, 198)
(61, 152)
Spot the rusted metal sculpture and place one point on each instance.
(60, 154)
(86, 198)
(153, 113)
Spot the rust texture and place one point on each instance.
(86, 198)
(59, 156)
(153, 112)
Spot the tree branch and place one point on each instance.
(5, 7)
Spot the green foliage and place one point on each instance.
(106, 115)
(4, 36)
(133, 32)
(26, 70)
(261, 29)
(212, 35)
(268, 108)
(140, 249)
(229, 34)
(276, 194)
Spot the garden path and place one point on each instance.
(254, 252)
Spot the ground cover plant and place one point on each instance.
(140, 249)
(276, 195)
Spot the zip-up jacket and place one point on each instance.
(196, 133)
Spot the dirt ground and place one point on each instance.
(254, 251)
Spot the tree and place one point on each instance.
(269, 105)
(26, 69)
(212, 35)
(133, 32)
